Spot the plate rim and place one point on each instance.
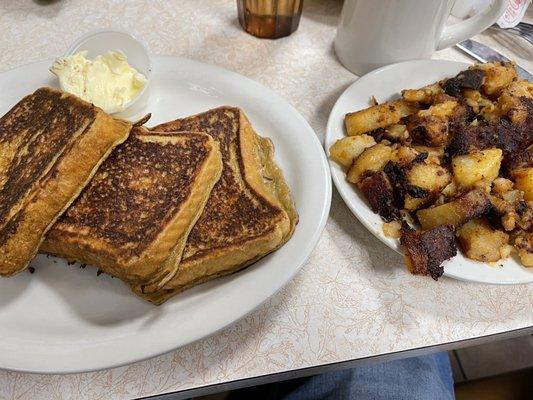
(393, 244)
(306, 250)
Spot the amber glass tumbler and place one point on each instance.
(270, 19)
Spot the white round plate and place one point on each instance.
(385, 84)
(66, 319)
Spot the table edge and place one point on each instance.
(336, 366)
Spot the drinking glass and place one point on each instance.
(270, 19)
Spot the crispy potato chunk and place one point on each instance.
(404, 155)
(417, 180)
(442, 110)
(477, 166)
(347, 149)
(424, 95)
(430, 127)
(424, 252)
(524, 244)
(523, 178)
(519, 88)
(497, 77)
(480, 242)
(430, 177)
(379, 116)
(481, 105)
(450, 190)
(470, 205)
(525, 215)
(396, 133)
(372, 159)
(435, 154)
(392, 229)
(512, 209)
(502, 185)
(378, 191)
(512, 96)
(515, 101)
(513, 196)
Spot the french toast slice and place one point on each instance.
(134, 217)
(51, 144)
(250, 212)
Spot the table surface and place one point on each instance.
(353, 299)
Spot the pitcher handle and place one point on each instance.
(460, 31)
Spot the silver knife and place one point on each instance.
(485, 54)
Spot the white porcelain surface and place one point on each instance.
(371, 35)
(386, 84)
(66, 319)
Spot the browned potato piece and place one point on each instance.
(524, 244)
(482, 165)
(378, 191)
(347, 149)
(434, 153)
(476, 100)
(430, 177)
(430, 127)
(423, 95)
(513, 196)
(373, 159)
(497, 77)
(481, 105)
(392, 229)
(403, 155)
(396, 133)
(379, 116)
(502, 185)
(414, 203)
(450, 190)
(424, 252)
(470, 205)
(512, 101)
(519, 111)
(442, 110)
(523, 179)
(480, 242)
(512, 209)
(519, 88)
(525, 215)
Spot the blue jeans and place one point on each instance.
(425, 377)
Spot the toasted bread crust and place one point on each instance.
(52, 144)
(250, 212)
(266, 176)
(223, 262)
(133, 219)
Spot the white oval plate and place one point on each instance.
(66, 319)
(385, 84)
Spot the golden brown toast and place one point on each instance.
(134, 217)
(51, 144)
(250, 211)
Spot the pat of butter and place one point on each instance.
(108, 81)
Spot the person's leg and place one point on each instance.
(425, 377)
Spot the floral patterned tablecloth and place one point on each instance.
(353, 298)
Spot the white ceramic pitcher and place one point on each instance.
(373, 33)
